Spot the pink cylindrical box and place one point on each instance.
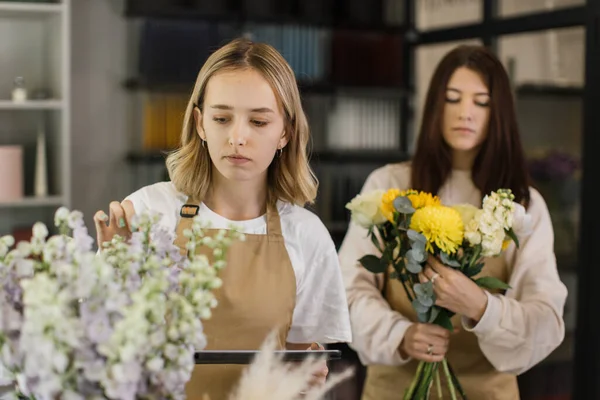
(11, 173)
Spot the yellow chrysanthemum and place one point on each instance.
(441, 225)
(417, 199)
(421, 199)
(387, 203)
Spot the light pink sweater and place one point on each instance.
(517, 330)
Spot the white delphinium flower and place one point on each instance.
(6, 242)
(121, 324)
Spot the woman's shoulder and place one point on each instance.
(304, 229)
(160, 195)
(396, 175)
(300, 219)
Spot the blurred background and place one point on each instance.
(92, 93)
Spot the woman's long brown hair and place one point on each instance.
(500, 162)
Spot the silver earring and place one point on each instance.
(279, 152)
(203, 142)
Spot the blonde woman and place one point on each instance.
(243, 160)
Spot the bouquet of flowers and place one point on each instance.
(408, 226)
(122, 323)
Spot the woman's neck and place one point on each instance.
(237, 201)
(463, 160)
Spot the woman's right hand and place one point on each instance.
(426, 342)
(116, 223)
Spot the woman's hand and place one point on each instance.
(118, 223)
(425, 342)
(320, 376)
(454, 291)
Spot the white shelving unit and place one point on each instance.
(35, 43)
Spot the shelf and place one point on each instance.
(50, 201)
(237, 16)
(146, 157)
(10, 9)
(380, 157)
(31, 105)
(532, 89)
(306, 87)
(336, 156)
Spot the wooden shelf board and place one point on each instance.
(16, 9)
(31, 105)
(30, 201)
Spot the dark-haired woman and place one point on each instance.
(468, 146)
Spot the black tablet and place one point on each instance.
(247, 356)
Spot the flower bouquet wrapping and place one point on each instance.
(122, 323)
(406, 227)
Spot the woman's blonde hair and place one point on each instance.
(290, 177)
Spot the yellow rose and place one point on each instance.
(366, 209)
(466, 211)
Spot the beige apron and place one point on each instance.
(478, 378)
(258, 295)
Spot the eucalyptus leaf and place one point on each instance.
(417, 254)
(426, 300)
(446, 260)
(373, 264)
(490, 282)
(419, 246)
(422, 317)
(418, 289)
(413, 267)
(419, 307)
(434, 313)
(416, 236)
(403, 205)
(427, 288)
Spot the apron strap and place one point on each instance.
(191, 207)
(274, 232)
(187, 213)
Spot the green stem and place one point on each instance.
(425, 383)
(438, 383)
(457, 382)
(410, 298)
(449, 379)
(413, 385)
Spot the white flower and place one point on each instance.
(522, 222)
(155, 364)
(366, 209)
(491, 245)
(489, 225)
(40, 231)
(61, 216)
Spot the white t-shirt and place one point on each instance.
(321, 313)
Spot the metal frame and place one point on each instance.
(586, 384)
(492, 27)
(408, 66)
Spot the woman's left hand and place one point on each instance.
(453, 290)
(320, 376)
